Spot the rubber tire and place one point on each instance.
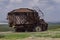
(37, 29)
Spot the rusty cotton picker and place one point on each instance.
(25, 19)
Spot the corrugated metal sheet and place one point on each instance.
(23, 10)
(20, 19)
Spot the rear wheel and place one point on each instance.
(17, 30)
(20, 29)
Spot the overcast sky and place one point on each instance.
(50, 8)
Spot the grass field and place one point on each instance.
(52, 32)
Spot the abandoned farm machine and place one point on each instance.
(25, 19)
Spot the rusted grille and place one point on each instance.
(20, 19)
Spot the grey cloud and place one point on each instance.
(49, 7)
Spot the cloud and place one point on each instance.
(13, 4)
(1, 0)
(49, 7)
(3, 3)
(7, 6)
(52, 11)
(56, 1)
(15, 1)
(33, 3)
(42, 4)
(39, 3)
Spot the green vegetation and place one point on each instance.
(4, 28)
(54, 27)
(1, 36)
(52, 32)
(16, 36)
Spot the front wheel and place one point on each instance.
(37, 29)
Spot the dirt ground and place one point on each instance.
(37, 38)
(31, 38)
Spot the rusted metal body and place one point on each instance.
(25, 19)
